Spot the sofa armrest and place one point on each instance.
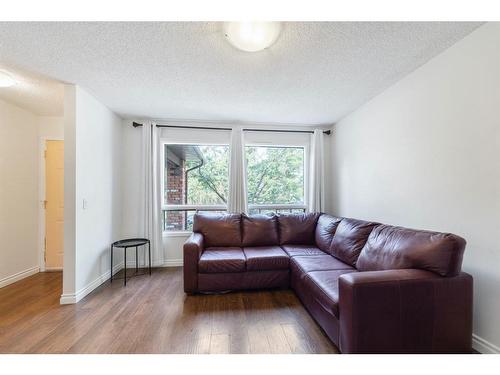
(405, 311)
(193, 247)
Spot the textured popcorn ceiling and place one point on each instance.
(314, 74)
(38, 94)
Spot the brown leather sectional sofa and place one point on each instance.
(373, 288)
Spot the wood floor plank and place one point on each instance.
(154, 315)
(219, 343)
(202, 344)
(297, 340)
(257, 340)
(277, 340)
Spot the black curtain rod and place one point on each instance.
(284, 131)
(136, 124)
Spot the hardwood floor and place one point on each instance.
(153, 315)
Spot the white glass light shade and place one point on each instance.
(6, 80)
(252, 36)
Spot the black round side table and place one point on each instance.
(125, 244)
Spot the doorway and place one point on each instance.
(53, 206)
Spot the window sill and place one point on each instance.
(183, 233)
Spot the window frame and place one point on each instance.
(183, 207)
(271, 140)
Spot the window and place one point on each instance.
(275, 179)
(196, 178)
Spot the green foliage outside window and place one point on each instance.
(209, 184)
(275, 175)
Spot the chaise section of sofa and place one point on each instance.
(373, 288)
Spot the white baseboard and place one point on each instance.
(166, 263)
(484, 346)
(71, 298)
(67, 299)
(18, 276)
(173, 263)
(53, 269)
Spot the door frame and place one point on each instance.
(41, 199)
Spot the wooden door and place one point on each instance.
(54, 204)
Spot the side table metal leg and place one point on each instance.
(111, 264)
(136, 260)
(149, 249)
(125, 266)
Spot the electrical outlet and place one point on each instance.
(85, 204)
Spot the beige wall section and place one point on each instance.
(51, 126)
(18, 193)
(20, 171)
(425, 154)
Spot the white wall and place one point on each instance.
(93, 173)
(69, 267)
(425, 154)
(132, 146)
(18, 193)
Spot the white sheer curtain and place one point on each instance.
(237, 202)
(150, 191)
(316, 202)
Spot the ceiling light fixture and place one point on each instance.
(6, 80)
(252, 36)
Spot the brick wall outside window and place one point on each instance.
(175, 194)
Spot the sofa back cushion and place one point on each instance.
(219, 230)
(259, 230)
(349, 239)
(325, 229)
(391, 247)
(297, 229)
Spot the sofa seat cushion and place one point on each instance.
(318, 263)
(301, 250)
(222, 259)
(266, 258)
(324, 288)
